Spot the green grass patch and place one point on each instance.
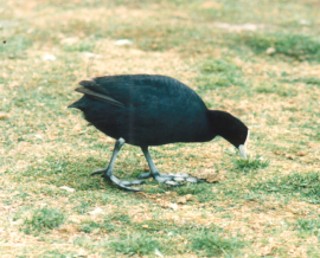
(61, 172)
(278, 89)
(211, 244)
(116, 221)
(43, 220)
(56, 254)
(84, 46)
(309, 227)
(217, 73)
(312, 81)
(152, 36)
(250, 164)
(165, 236)
(15, 46)
(201, 191)
(109, 224)
(89, 226)
(295, 46)
(305, 186)
(136, 244)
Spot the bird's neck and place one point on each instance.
(225, 125)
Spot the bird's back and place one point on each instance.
(144, 109)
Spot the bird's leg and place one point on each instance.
(107, 173)
(169, 179)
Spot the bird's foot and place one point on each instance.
(100, 172)
(122, 184)
(171, 179)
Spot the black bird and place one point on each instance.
(149, 110)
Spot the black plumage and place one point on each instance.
(149, 110)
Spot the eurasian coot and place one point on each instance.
(149, 110)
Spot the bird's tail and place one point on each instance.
(73, 105)
(79, 104)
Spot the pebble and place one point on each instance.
(49, 57)
(123, 42)
(68, 189)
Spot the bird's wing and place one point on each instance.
(92, 89)
(124, 90)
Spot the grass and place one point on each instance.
(210, 244)
(301, 185)
(312, 81)
(15, 47)
(218, 73)
(56, 254)
(295, 46)
(136, 245)
(309, 227)
(43, 220)
(261, 65)
(246, 165)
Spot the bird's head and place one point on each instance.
(231, 129)
(239, 137)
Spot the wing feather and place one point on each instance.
(90, 88)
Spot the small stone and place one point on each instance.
(182, 200)
(89, 55)
(49, 57)
(96, 211)
(189, 197)
(123, 42)
(67, 188)
(158, 253)
(270, 50)
(173, 206)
